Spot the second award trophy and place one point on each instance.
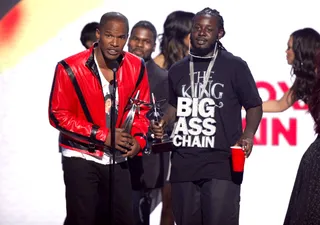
(164, 144)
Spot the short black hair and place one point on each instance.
(114, 16)
(88, 33)
(213, 12)
(107, 96)
(147, 25)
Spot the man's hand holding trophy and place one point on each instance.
(162, 141)
(125, 143)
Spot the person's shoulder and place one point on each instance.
(79, 58)
(178, 69)
(132, 64)
(159, 60)
(179, 64)
(133, 59)
(160, 69)
(232, 59)
(152, 67)
(162, 72)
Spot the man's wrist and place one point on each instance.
(141, 140)
(248, 134)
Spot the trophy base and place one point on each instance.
(163, 146)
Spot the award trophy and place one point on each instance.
(133, 106)
(164, 144)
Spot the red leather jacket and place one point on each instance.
(66, 110)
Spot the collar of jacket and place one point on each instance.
(90, 63)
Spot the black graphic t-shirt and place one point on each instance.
(209, 123)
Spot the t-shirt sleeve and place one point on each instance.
(172, 93)
(246, 87)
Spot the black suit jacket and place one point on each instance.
(158, 82)
(150, 171)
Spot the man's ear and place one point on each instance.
(186, 40)
(154, 47)
(221, 33)
(98, 34)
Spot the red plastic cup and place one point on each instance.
(238, 158)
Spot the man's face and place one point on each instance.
(107, 105)
(204, 34)
(112, 37)
(290, 52)
(142, 43)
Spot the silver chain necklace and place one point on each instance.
(207, 75)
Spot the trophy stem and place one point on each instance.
(127, 125)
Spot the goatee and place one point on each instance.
(201, 51)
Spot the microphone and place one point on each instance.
(114, 66)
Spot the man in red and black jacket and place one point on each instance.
(78, 108)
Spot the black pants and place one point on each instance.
(144, 202)
(147, 177)
(88, 193)
(206, 202)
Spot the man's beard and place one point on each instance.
(146, 59)
(144, 56)
(201, 51)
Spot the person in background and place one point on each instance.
(77, 110)
(304, 55)
(88, 34)
(295, 58)
(148, 172)
(174, 43)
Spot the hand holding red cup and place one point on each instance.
(238, 158)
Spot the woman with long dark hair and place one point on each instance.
(301, 49)
(174, 46)
(174, 42)
(304, 206)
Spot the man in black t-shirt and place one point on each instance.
(207, 90)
